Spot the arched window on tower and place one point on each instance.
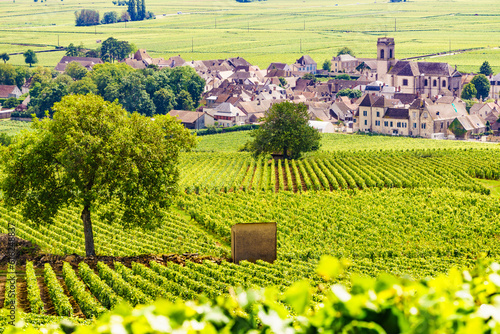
(382, 54)
(390, 54)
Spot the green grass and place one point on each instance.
(265, 31)
(493, 185)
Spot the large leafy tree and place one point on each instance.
(75, 70)
(345, 51)
(112, 49)
(285, 129)
(91, 154)
(30, 57)
(468, 92)
(482, 85)
(486, 69)
(5, 57)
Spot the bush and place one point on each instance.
(86, 17)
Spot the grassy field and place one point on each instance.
(264, 31)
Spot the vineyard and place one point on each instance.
(403, 209)
(451, 168)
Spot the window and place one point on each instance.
(442, 123)
(382, 54)
(390, 54)
(377, 123)
(434, 83)
(447, 124)
(426, 83)
(423, 126)
(391, 123)
(365, 113)
(378, 113)
(404, 125)
(425, 115)
(444, 83)
(366, 122)
(405, 82)
(398, 124)
(386, 123)
(414, 125)
(354, 120)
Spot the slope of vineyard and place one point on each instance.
(401, 209)
(233, 141)
(434, 168)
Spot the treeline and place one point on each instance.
(109, 51)
(136, 11)
(149, 91)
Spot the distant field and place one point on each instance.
(13, 127)
(265, 31)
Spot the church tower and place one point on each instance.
(385, 48)
(385, 58)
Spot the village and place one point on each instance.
(382, 95)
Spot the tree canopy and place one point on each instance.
(285, 130)
(482, 85)
(345, 51)
(30, 57)
(87, 17)
(468, 91)
(486, 69)
(5, 57)
(94, 154)
(327, 65)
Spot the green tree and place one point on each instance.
(5, 139)
(7, 74)
(482, 85)
(310, 76)
(285, 129)
(344, 76)
(74, 51)
(486, 69)
(75, 70)
(30, 57)
(22, 74)
(351, 93)
(327, 65)
(86, 17)
(468, 91)
(93, 153)
(11, 102)
(5, 57)
(112, 49)
(83, 87)
(141, 10)
(283, 82)
(184, 101)
(132, 10)
(345, 51)
(164, 100)
(109, 17)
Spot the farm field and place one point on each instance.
(403, 209)
(264, 31)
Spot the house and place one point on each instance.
(341, 111)
(7, 91)
(279, 67)
(466, 126)
(193, 119)
(425, 78)
(495, 86)
(489, 113)
(86, 62)
(344, 64)
(305, 64)
(227, 115)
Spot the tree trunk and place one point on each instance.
(87, 230)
